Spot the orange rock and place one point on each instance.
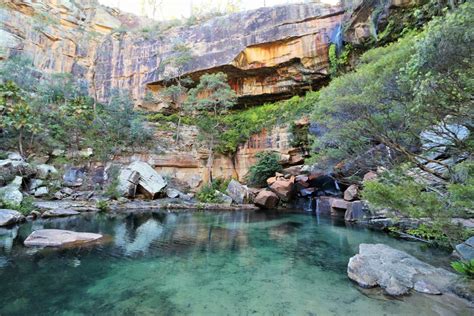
(266, 199)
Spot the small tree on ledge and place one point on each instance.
(211, 99)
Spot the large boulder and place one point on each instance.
(396, 271)
(9, 169)
(151, 183)
(127, 182)
(239, 193)
(283, 188)
(11, 193)
(351, 193)
(10, 217)
(58, 237)
(266, 199)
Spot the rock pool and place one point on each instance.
(202, 263)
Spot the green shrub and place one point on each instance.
(103, 206)
(465, 268)
(111, 190)
(266, 166)
(25, 208)
(207, 193)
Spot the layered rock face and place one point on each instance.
(60, 36)
(268, 54)
(186, 160)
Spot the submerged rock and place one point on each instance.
(10, 217)
(396, 271)
(58, 237)
(59, 213)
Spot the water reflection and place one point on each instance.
(193, 263)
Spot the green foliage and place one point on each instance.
(337, 62)
(207, 193)
(103, 206)
(240, 125)
(266, 166)
(396, 191)
(431, 233)
(401, 90)
(209, 101)
(111, 190)
(25, 208)
(465, 268)
(56, 112)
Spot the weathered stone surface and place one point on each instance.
(41, 192)
(10, 217)
(11, 193)
(34, 184)
(266, 199)
(369, 176)
(172, 193)
(466, 249)
(127, 182)
(396, 271)
(355, 211)
(9, 169)
(239, 193)
(58, 238)
(290, 43)
(283, 188)
(351, 193)
(339, 204)
(59, 213)
(74, 176)
(224, 199)
(150, 182)
(45, 171)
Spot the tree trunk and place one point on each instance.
(210, 160)
(177, 130)
(20, 142)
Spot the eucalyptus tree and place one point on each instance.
(209, 101)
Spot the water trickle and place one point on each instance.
(336, 38)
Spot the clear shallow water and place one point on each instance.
(226, 263)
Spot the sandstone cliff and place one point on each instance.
(268, 54)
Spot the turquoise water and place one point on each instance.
(226, 263)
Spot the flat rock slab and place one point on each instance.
(10, 217)
(58, 238)
(59, 213)
(397, 272)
